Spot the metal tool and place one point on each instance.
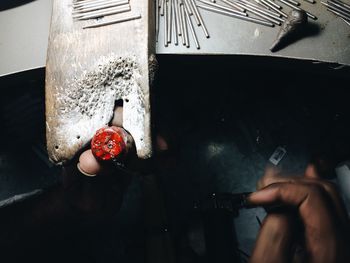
(194, 14)
(170, 19)
(293, 2)
(114, 21)
(166, 21)
(231, 14)
(346, 21)
(294, 24)
(157, 20)
(342, 7)
(262, 8)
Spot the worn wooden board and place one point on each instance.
(89, 69)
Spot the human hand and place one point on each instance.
(309, 200)
(92, 188)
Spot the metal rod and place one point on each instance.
(166, 21)
(310, 1)
(180, 19)
(338, 14)
(157, 19)
(162, 5)
(273, 8)
(176, 32)
(233, 5)
(339, 6)
(195, 12)
(346, 21)
(105, 13)
(274, 4)
(187, 7)
(341, 3)
(170, 19)
(99, 7)
(101, 10)
(231, 14)
(204, 28)
(177, 16)
(115, 21)
(261, 13)
(340, 11)
(187, 42)
(263, 7)
(297, 8)
(293, 2)
(94, 3)
(194, 36)
(181, 25)
(222, 7)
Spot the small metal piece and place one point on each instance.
(232, 4)
(298, 8)
(106, 12)
(231, 14)
(195, 12)
(261, 13)
(176, 36)
(223, 7)
(274, 8)
(277, 155)
(115, 21)
(310, 1)
(204, 28)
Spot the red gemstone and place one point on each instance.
(108, 143)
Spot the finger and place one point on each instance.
(311, 172)
(117, 117)
(310, 178)
(88, 165)
(313, 207)
(275, 240)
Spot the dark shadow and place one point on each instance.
(311, 29)
(8, 4)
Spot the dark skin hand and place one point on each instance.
(306, 204)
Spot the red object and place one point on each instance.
(108, 144)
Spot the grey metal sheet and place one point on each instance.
(328, 38)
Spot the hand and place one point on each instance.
(313, 202)
(93, 189)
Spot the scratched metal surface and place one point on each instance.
(327, 40)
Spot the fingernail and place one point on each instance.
(84, 173)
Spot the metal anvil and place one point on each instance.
(88, 70)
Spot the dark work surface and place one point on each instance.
(223, 119)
